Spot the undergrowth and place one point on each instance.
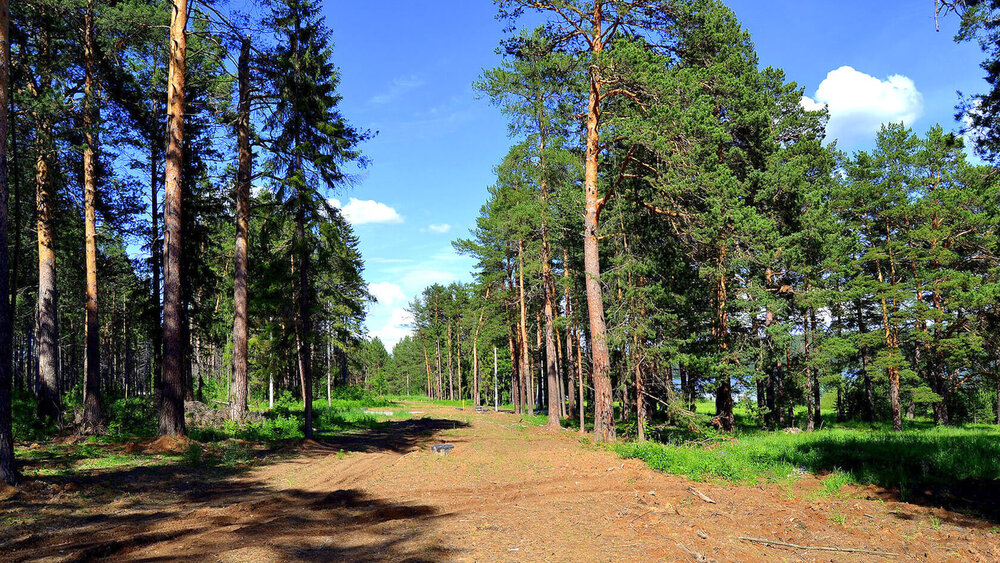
(908, 459)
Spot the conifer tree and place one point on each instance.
(310, 142)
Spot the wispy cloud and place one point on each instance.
(438, 229)
(399, 87)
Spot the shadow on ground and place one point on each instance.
(166, 512)
(957, 472)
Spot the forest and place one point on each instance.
(674, 259)
(696, 237)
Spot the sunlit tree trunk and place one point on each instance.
(476, 379)
(451, 372)
(238, 390)
(92, 374)
(427, 363)
(604, 425)
(458, 363)
(46, 332)
(172, 407)
(579, 378)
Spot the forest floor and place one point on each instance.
(508, 491)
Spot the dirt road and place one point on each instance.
(506, 492)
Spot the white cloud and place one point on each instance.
(363, 212)
(396, 328)
(439, 229)
(387, 293)
(860, 103)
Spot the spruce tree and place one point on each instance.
(308, 146)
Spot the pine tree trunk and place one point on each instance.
(817, 390)
(329, 369)
(579, 379)
(238, 391)
(540, 388)
(172, 408)
(476, 401)
(46, 328)
(458, 363)
(8, 467)
(568, 355)
(551, 356)
(526, 372)
(640, 393)
(427, 362)
(810, 403)
(92, 374)
(302, 331)
(451, 372)
(438, 389)
(476, 378)
(515, 375)
(604, 425)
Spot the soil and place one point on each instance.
(505, 492)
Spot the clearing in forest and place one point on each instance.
(508, 491)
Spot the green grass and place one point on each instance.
(907, 460)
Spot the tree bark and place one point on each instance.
(451, 371)
(526, 395)
(302, 316)
(8, 466)
(579, 379)
(92, 373)
(476, 379)
(568, 355)
(172, 407)
(238, 390)
(427, 363)
(458, 363)
(810, 402)
(604, 425)
(640, 393)
(515, 372)
(46, 328)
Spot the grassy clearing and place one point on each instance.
(223, 448)
(907, 460)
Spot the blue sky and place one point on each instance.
(407, 69)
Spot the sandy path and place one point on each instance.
(507, 492)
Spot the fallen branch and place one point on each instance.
(701, 495)
(697, 556)
(820, 548)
